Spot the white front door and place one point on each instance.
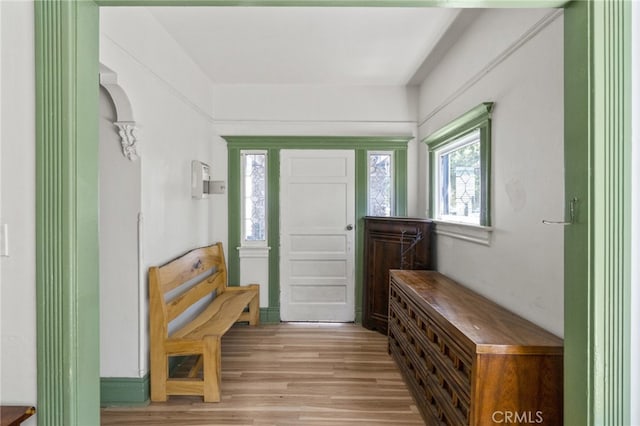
(317, 214)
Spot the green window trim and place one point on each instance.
(477, 118)
(272, 145)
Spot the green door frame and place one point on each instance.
(273, 145)
(597, 141)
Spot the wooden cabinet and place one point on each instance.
(390, 243)
(468, 361)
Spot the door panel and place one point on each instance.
(317, 203)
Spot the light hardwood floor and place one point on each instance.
(293, 374)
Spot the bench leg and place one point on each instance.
(254, 307)
(159, 375)
(212, 369)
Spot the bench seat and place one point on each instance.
(218, 317)
(202, 334)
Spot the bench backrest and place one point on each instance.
(163, 279)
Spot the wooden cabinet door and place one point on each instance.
(390, 243)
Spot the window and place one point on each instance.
(458, 195)
(460, 165)
(380, 184)
(254, 197)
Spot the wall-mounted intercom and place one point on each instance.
(201, 183)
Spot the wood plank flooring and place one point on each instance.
(293, 374)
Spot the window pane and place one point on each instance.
(254, 203)
(380, 184)
(460, 194)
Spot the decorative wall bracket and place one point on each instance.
(124, 115)
(128, 140)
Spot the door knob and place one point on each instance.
(349, 227)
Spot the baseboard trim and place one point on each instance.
(269, 315)
(124, 391)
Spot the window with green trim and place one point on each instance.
(459, 158)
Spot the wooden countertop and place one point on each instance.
(483, 323)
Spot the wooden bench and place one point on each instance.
(201, 335)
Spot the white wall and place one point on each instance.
(17, 145)
(120, 203)
(172, 103)
(522, 268)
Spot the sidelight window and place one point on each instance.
(254, 197)
(380, 183)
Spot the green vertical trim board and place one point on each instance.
(234, 215)
(578, 352)
(612, 210)
(400, 179)
(597, 245)
(273, 189)
(124, 391)
(66, 45)
(362, 182)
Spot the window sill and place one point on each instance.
(464, 231)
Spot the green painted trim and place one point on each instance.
(124, 391)
(318, 142)
(273, 189)
(578, 349)
(611, 140)
(67, 293)
(485, 173)
(401, 184)
(597, 245)
(233, 208)
(359, 315)
(362, 182)
(343, 3)
(270, 315)
(476, 118)
(468, 121)
(273, 145)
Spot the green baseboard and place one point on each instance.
(272, 316)
(269, 315)
(127, 391)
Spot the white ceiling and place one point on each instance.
(307, 45)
